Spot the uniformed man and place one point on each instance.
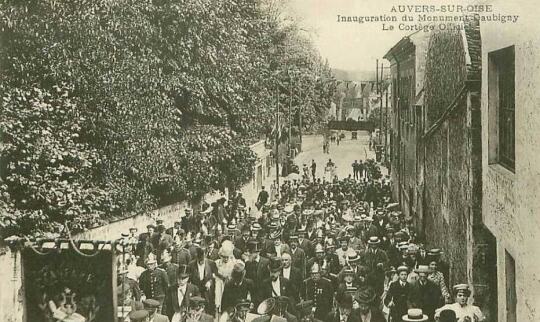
(154, 282)
(320, 291)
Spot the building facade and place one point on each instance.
(511, 171)
(407, 67)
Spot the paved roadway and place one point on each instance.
(343, 155)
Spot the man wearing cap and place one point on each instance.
(154, 281)
(465, 312)
(241, 311)
(241, 241)
(179, 295)
(152, 306)
(285, 308)
(425, 294)
(343, 313)
(196, 312)
(138, 316)
(348, 281)
(318, 258)
(202, 275)
(319, 290)
(376, 260)
(397, 298)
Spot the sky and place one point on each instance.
(355, 46)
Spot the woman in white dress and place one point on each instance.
(225, 265)
(465, 312)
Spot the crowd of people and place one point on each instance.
(317, 250)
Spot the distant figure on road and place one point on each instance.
(330, 170)
(356, 170)
(262, 199)
(313, 169)
(305, 171)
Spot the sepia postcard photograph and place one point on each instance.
(269, 161)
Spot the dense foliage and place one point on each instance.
(111, 108)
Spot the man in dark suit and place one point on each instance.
(343, 312)
(202, 275)
(291, 273)
(399, 293)
(277, 285)
(145, 241)
(237, 288)
(257, 266)
(262, 198)
(151, 306)
(298, 256)
(425, 294)
(167, 266)
(241, 241)
(368, 306)
(179, 295)
(376, 261)
(174, 229)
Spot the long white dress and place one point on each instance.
(225, 270)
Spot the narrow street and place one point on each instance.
(343, 155)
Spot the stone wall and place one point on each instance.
(452, 167)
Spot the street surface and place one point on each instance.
(343, 155)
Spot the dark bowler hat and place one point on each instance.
(253, 246)
(150, 226)
(275, 264)
(345, 301)
(159, 222)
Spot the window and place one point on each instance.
(511, 298)
(502, 107)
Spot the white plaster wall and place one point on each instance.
(511, 200)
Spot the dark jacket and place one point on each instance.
(426, 297)
(258, 271)
(401, 296)
(334, 316)
(171, 269)
(287, 289)
(171, 304)
(234, 292)
(153, 284)
(321, 292)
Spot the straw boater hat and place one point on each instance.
(374, 240)
(462, 288)
(414, 315)
(402, 268)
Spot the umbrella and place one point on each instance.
(392, 206)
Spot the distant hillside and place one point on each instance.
(354, 75)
